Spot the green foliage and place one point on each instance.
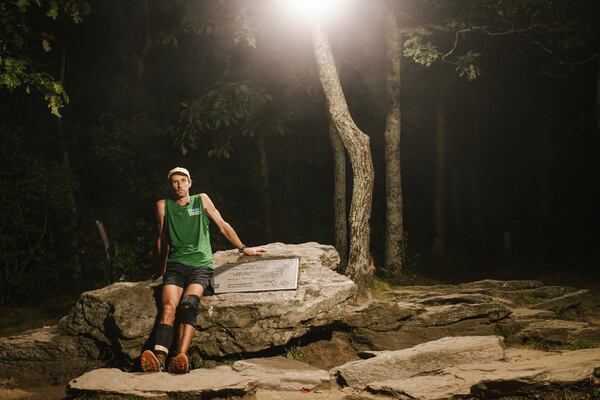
(424, 53)
(230, 109)
(558, 28)
(19, 41)
(467, 66)
(296, 353)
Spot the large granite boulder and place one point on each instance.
(121, 316)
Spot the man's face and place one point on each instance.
(180, 184)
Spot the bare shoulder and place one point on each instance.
(205, 198)
(160, 206)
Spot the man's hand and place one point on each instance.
(157, 275)
(254, 251)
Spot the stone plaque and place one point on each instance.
(257, 276)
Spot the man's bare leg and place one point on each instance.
(180, 363)
(170, 297)
(154, 361)
(186, 332)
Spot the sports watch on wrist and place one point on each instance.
(241, 249)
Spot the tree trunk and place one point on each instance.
(394, 235)
(264, 180)
(339, 197)
(357, 145)
(439, 214)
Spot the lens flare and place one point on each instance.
(321, 9)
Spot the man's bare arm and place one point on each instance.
(226, 229)
(162, 244)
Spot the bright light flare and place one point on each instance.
(320, 9)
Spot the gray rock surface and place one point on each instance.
(114, 384)
(44, 355)
(560, 332)
(121, 316)
(280, 373)
(238, 381)
(561, 303)
(417, 314)
(419, 359)
(500, 378)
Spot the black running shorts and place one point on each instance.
(183, 275)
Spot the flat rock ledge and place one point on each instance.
(533, 376)
(239, 381)
(523, 311)
(112, 383)
(422, 358)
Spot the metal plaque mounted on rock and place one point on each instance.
(257, 276)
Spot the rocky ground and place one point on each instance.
(508, 339)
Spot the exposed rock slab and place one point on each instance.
(525, 315)
(280, 373)
(114, 384)
(391, 325)
(422, 358)
(496, 378)
(417, 314)
(44, 355)
(237, 381)
(560, 332)
(563, 302)
(380, 315)
(121, 316)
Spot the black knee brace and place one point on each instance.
(188, 309)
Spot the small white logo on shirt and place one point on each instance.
(193, 211)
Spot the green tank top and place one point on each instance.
(187, 229)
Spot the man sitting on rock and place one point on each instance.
(186, 266)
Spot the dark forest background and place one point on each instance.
(158, 84)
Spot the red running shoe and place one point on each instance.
(149, 362)
(179, 364)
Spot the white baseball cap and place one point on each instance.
(179, 170)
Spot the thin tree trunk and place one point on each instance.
(439, 216)
(266, 186)
(339, 197)
(357, 144)
(394, 235)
